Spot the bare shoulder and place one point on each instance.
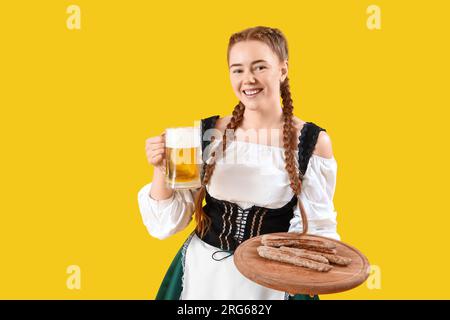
(323, 146)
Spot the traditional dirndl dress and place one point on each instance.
(245, 198)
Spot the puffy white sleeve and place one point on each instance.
(164, 218)
(318, 187)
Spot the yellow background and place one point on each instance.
(77, 106)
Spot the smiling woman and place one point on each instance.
(256, 82)
(288, 188)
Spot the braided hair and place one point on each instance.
(275, 39)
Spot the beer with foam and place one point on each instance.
(183, 157)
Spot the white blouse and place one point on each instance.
(251, 174)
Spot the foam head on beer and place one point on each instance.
(184, 137)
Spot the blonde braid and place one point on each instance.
(289, 140)
(289, 135)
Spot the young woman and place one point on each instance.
(265, 189)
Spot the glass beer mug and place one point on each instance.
(183, 157)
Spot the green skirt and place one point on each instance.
(172, 283)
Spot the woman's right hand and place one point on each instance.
(155, 148)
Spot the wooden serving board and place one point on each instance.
(298, 280)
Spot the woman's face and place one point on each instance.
(253, 65)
